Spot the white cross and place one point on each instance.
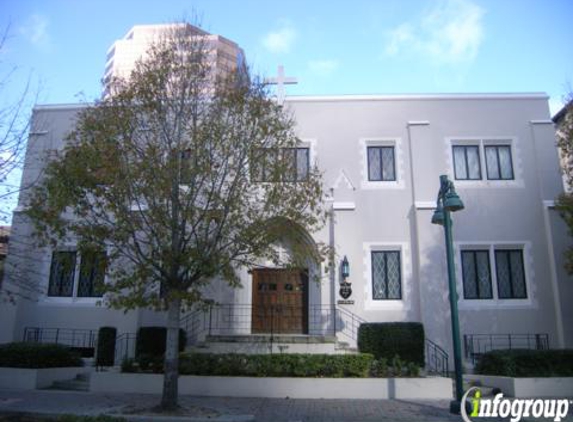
(280, 81)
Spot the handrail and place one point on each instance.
(436, 359)
(476, 345)
(73, 337)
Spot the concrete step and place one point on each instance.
(80, 383)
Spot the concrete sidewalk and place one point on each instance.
(225, 409)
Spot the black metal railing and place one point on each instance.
(80, 339)
(476, 345)
(436, 359)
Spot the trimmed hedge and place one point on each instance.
(38, 355)
(106, 346)
(283, 365)
(526, 363)
(385, 340)
(151, 341)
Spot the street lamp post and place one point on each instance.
(448, 201)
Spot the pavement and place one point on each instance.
(24, 405)
(224, 409)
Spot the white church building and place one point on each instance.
(381, 157)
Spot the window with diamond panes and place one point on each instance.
(510, 274)
(386, 279)
(499, 162)
(381, 165)
(466, 162)
(476, 275)
(92, 273)
(296, 164)
(62, 272)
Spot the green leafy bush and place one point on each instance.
(151, 341)
(106, 346)
(85, 418)
(526, 363)
(37, 355)
(283, 365)
(388, 339)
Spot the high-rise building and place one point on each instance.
(225, 55)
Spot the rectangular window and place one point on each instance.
(499, 162)
(476, 274)
(510, 274)
(92, 273)
(62, 273)
(293, 166)
(467, 162)
(386, 278)
(185, 167)
(381, 166)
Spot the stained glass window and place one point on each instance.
(467, 162)
(510, 274)
(476, 274)
(386, 279)
(62, 273)
(92, 272)
(381, 165)
(499, 162)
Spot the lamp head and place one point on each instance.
(452, 201)
(438, 217)
(345, 268)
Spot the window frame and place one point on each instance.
(51, 281)
(465, 148)
(386, 252)
(464, 284)
(259, 158)
(510, 272)
(497, 148)
(381, 148)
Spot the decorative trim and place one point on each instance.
(485, 96)
(481, 142)
(418, 122)
(548, 203)
(343, 177)
(403, 304)
(491, 247)
(344, 206)
(39, 133)
(425, 205)
(541, 122)
(68, 106)
(399, 164)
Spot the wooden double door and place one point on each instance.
(280, 301)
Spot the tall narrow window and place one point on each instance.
(62, 272)
(381, 166)
(476, 275)
(466, 162)
(510, 274)
(386, 279)
(92, 272)
(499, 162)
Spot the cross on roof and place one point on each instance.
(280, 81)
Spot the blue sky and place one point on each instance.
(331, 47)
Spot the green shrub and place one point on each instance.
(526, 363)
(128, 365)
(151, 341)
(283, 365)
(106, 346)
(37, 355)
(388, 339)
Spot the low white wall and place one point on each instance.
(30, 379)
(309, 388)
(527, 387)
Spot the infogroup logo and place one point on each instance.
(515, 409)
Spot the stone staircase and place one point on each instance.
(277, 343)
(80, 383)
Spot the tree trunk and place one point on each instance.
(171, 376)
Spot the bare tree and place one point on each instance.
(184, 173)
(14, 121)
